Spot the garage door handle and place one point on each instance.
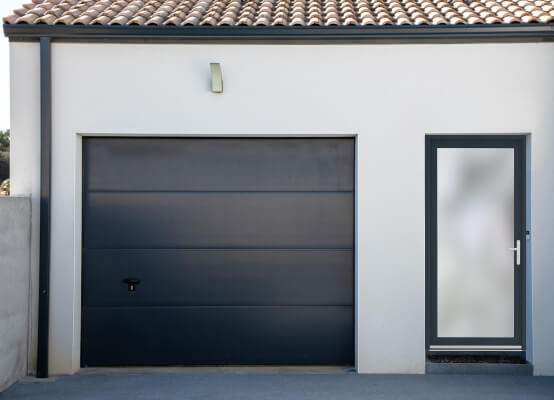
(132, 283)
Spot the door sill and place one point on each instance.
(467, 348)
(478, 368)
(478, 353)
(244, 370)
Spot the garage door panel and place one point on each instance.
(211, 335)
(244, 250)
(218, 277)
(219, 220)
(219, 164)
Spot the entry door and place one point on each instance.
(218, 251)
(475, 242)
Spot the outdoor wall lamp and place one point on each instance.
(217, 79)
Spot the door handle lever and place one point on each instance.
(517, 249)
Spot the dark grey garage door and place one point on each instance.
(243, 249)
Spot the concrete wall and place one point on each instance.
(15, 241)
(389, 96)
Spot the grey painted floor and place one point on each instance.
(245, 386)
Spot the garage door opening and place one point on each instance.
(218, 251)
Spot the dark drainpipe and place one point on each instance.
(45, 189)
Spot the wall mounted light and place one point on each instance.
(217, 78)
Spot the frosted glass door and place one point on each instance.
(475, 231)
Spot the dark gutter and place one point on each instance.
(309, 34)
(45, 190)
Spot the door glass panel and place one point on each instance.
(475, 222)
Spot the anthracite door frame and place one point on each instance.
(432, 143)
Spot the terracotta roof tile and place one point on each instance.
(282, 12)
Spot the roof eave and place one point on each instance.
(457, 33)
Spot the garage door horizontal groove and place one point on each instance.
(223, 306)
(221, 248)
(224, 248)
(220, 191)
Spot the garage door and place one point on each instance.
(217, 251)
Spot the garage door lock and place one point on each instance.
(132, 283)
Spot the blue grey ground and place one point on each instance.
(285, 387)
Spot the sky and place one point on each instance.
(6, 7)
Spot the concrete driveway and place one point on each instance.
(247, 386)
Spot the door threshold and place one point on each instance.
(244, 370)
(478, 368)
(479, 353)
(502, 348)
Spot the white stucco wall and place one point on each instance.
(25, 159)
(390, 96)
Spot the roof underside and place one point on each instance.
(281, 12)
